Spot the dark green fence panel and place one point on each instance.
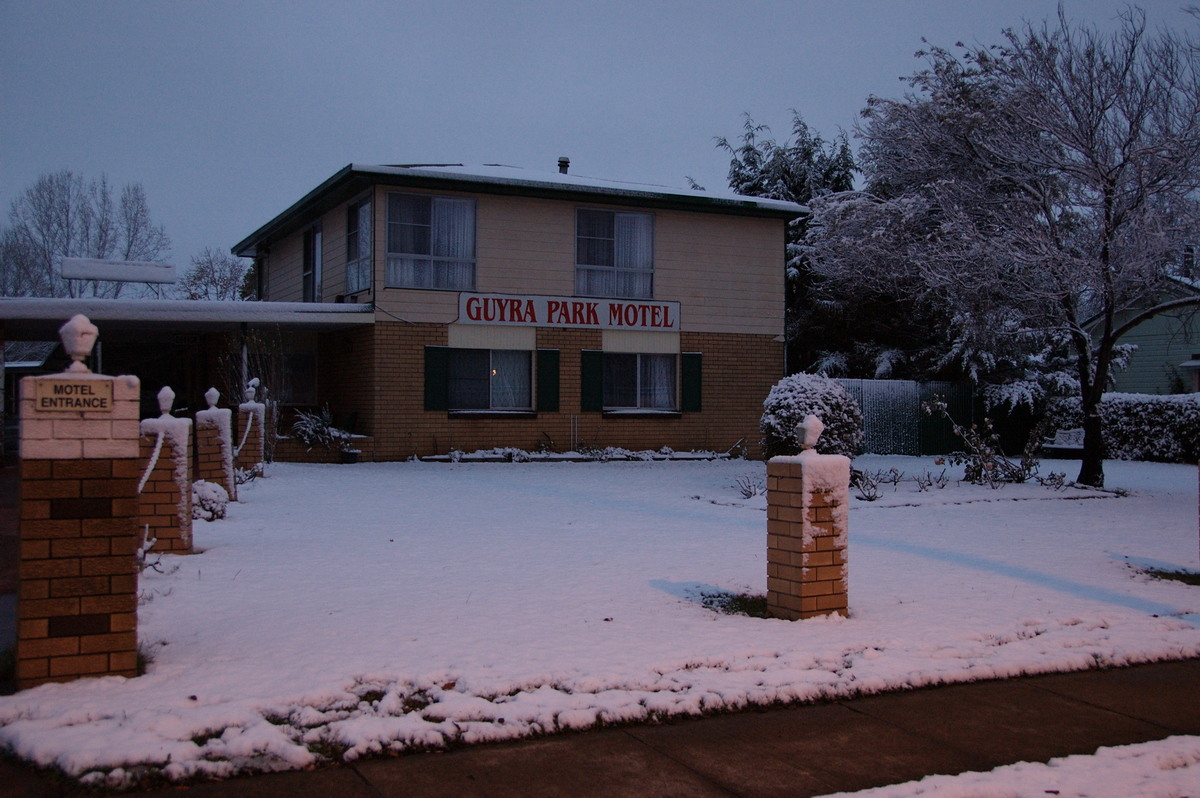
(892, 419)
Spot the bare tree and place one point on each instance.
(62, 215)
(214, 275)
(1042, 191)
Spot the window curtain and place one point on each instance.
(358, 269)
(511, 383)
(431, 242)
(454, 240)
(614, 254)
(657, 388)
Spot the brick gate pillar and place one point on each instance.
(165, 498)
(214, 445)
(77, 600)
(808, 498)
(252, 418)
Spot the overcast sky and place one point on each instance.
(227, 112)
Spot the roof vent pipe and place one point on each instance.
(564, 163)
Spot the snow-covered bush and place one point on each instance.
(316, 429)
(1139, 426)
(796, 396)
(209, 500)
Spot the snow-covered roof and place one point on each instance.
(499, 179)
(29, 317)
(512, 176)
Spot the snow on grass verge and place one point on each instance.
(1169, 767)
(341, 611)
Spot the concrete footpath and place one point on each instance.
(801, 751)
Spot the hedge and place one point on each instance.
(1140, 426)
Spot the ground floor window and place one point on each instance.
(503, 380)
(639, 382)
(490, 379)
(650, 382)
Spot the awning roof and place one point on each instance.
(38, 318)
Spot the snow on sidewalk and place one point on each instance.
(344, 610)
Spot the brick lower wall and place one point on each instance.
(77, 608)
(737, 373)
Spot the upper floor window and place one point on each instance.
(358, 247)
(311, 275)
(430, 242)
(614, 254)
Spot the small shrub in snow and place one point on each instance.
(796, 396)
(316, 429)
(983, 460)
(750, 486)
(209, 500)
(1139, 426)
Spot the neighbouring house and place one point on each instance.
(531, 310)
(1167, 349)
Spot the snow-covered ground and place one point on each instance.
(341, 610)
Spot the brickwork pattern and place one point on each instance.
(291, 450)
(806, 562)
(737, 373)
(214, 454)
(77, 606)
(165, 503)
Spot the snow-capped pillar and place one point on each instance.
(808, 499)
(250, 453)
(77, 605)
(165, 499)
(214, 445)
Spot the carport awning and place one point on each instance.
(38, 318)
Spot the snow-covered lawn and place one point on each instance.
(341, 610)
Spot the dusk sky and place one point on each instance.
(227, 112)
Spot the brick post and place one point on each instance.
(165, 500)
(807, 523)
(77, 600)
(214, 445)
(252, 416)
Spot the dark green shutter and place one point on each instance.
(437, 378)
(690, 401)
(547, 380)
(591, 380)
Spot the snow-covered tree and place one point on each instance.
(1040, 191)
(797, 170)
(213, 275)
(63, 215)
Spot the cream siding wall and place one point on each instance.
(284, 270)
(726, 271)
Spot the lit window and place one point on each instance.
(490, 379)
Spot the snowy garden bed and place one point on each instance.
(341, 611)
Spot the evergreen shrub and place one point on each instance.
(795, 397)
